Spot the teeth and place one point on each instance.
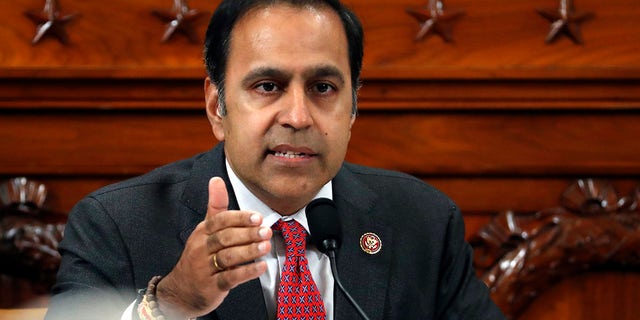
(289, 154)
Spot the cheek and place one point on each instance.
(247, 128)
(338, 137)
(343, 128)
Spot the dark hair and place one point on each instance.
(218, 38)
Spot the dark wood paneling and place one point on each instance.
(117, 39)
(589, 296)
(501, 39)
(99, 143)
(430, 95)
(535, 144)
(509, 95)
(105, 94)
(540, 144)
(462, 155)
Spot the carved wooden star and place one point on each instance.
(565, 20)
(180, 19)
(432, 18)
(50, 21)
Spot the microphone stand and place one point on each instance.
(334, 270)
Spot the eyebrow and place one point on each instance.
(325, 72)
(264, 72)
(322, 71)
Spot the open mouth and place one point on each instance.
(290, 154)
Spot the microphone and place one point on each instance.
(326, 234)
(324, 224)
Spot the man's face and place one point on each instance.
(288, 94)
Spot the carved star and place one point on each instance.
(565, 21)
(433, 19)
(180, 19)
(50, 21)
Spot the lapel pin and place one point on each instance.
(370, 243)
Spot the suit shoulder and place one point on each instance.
(389, 182)
(169, 174)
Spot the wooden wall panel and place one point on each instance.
(499, 144)
(501, 39)
(101, 94)
(540, 144)
(589, 296)
(500, 94)
(114, 39)
(396, 95)
(99, 143)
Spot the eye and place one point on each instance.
(266, 87)
(323, 87)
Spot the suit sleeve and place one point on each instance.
(94, 280)
(461, 294)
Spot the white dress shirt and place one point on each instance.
(319, 263)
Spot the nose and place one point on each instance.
(296, 113)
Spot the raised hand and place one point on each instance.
(218, 256)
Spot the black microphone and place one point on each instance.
(326, 234)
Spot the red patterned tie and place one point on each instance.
(298, 295)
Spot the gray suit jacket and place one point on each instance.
(117, 238)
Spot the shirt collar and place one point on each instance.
(247, 201)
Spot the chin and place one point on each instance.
(293, 191)
(293, 195)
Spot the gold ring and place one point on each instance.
(214, 262)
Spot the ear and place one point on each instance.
(213, 109)
(351, 122)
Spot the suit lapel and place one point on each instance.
(364, 275)
(244, 302)
(206, 166)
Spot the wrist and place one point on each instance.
(169, 302)
(151, 307)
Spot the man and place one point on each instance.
(281, 96)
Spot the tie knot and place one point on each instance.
(294, 234)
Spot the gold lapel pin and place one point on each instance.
(370, 243)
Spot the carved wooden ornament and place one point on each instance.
(433, 19)
(565, 21)
(519, 256)
(50, 22)
(29, 234)
(180, 19)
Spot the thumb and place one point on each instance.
(218, 197)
